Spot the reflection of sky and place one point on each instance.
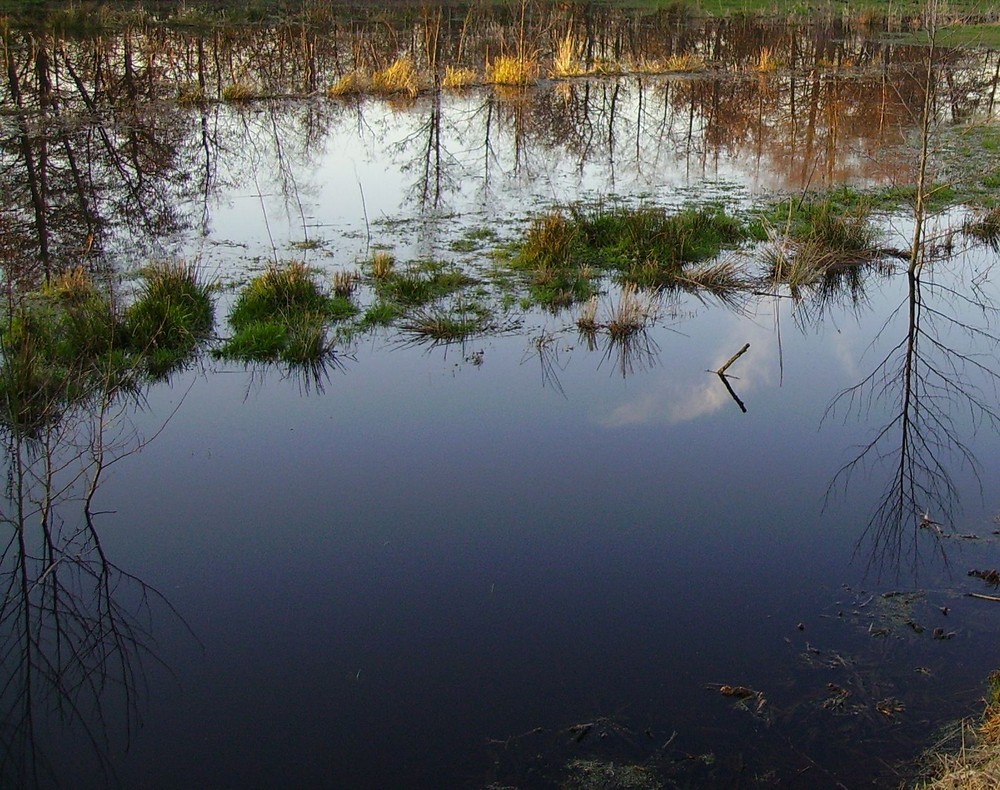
(432, 554)
(381, 168)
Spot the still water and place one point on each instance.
(511, 562)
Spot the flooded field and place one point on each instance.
(376, 416)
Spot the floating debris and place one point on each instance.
(991, 577)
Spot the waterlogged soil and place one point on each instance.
(543, 556)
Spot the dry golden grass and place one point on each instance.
(190, 93)
(724, 278)
(71, 285)
(238, 92)
(345, 283)
(382, 264)
(355, 83)
(632, 313)
(512, 70)
(975, 764)
(457, 78)
(767, 62)
(566, 61)
(587, 320)
(401, 77)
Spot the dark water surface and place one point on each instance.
(473, 565)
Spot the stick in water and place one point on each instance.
(722, 371)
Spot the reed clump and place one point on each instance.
(566, 61)
(239, 92)
(382, 264)
(354, 83)
(399, 78)
(458, 78)
(512, 70)
(767, 61)
(345, 283)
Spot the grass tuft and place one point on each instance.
(985, 227)
(283, 315)
(355, 83)
(345, 283)
(767, 62)
(401, 77)
(458, 78)
(382, 264)
(632, 313)
(566, 60)
(441, 325)
(512, 70)
(239, 92)
(174, 312)
(281, 292)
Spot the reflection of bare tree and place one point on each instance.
(933, 384)
(82, 161)
(76, 628)
(932, 387)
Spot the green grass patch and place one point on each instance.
(71, 342)
(172, 315)
(441, 325)
(964, 36)
(284, 315)
(565, 252)
(421, 283)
